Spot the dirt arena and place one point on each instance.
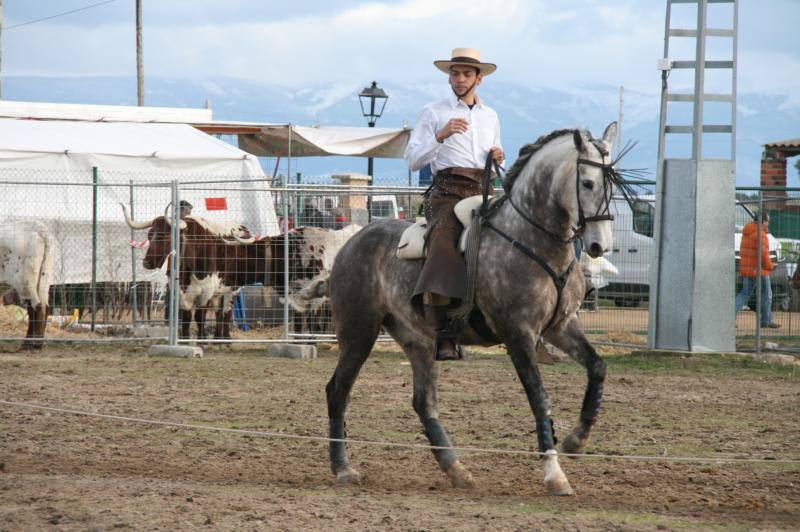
(72, 472)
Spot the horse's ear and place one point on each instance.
(610, 134)
(580, 144)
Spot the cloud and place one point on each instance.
(294, 44)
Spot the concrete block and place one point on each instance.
(292, 351)
(151, 331)
(181, 351)
(778, 359)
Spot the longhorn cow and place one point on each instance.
(216, 261)
(26, 271)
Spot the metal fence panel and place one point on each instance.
(321, 212)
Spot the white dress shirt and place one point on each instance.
(459, 150)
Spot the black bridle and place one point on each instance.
(602, 214)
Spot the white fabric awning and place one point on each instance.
(273, 141)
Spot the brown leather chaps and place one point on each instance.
(444, 273)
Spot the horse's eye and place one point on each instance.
(588, 184)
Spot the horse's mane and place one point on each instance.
(622, 179)
(526, 152)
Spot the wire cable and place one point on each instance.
(58, 15)
(283, 435)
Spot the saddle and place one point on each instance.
(412, 241)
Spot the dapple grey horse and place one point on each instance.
(560, 185)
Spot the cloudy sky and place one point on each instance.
(299, 42)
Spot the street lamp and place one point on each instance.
(372, 100)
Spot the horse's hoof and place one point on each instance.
(554, 478)
(574, 444)
(558, 487)
(348, 475)
(459, 476)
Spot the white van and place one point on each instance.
(384, 208)
(632, 253)
(634, 246)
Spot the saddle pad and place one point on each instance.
(412, 241)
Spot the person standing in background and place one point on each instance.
(748, 269)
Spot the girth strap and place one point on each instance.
(559, 280)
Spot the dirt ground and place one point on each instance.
(63, 471)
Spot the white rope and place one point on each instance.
(267, 434)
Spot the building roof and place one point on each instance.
(102, 113)
(792, 144)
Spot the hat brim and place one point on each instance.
(483, 68)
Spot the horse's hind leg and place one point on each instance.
(426, 374)
(522, 354)
(572, 341)
(356, 339)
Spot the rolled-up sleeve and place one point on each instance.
(497, 132)
(422, 145)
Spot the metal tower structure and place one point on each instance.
(693, 274)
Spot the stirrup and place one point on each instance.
(445, 335)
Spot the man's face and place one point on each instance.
(463, 79)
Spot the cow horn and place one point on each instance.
(241, 240)
(131, 223)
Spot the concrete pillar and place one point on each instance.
(354, 205)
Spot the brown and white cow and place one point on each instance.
(216, 261)
(26, 272)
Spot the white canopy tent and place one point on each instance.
(46, 175)
(300, 141)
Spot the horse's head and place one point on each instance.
(589, 196)
(567, 178)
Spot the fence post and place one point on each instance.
(94, 247)
(760, 223)
(134, 287)
(174, 265)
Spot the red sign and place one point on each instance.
(216, 204)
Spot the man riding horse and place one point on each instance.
(455, 136)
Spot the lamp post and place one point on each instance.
(373, 101)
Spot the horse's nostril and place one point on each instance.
(595, 250)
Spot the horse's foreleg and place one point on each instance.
(521, 355)
(426, 374)
(355, 344)
(572, 341)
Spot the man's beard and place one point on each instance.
(466, 91)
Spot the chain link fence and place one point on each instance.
(266, 242)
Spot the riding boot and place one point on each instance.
(445, 347)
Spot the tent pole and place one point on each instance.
(286, 237)
(94, 247)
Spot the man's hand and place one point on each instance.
(454, 125)
(497, 155)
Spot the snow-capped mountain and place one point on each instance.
(525, 113)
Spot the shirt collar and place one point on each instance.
(454, 100)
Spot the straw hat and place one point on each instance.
(467, 57)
